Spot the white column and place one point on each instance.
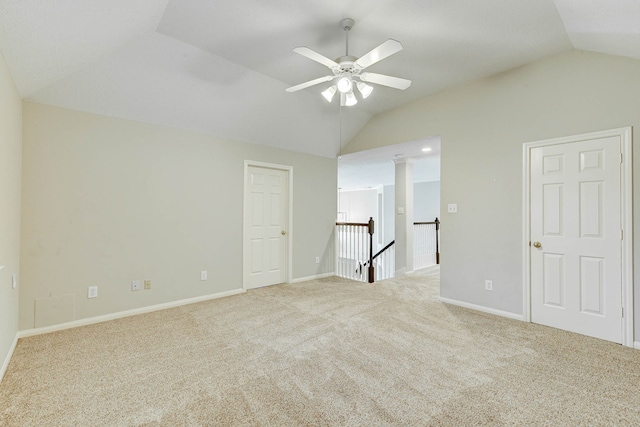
(404, 216)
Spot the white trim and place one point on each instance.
(526, 222)
(626, 144)
(314, 277)
(127, 313)
(245, 217)
(400, 272)
(636, 345)
(483, 309)
(7, 359)
(625, 135)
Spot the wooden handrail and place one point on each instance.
(384, 249)
(380, 252)
(360, 224)
(436, 222)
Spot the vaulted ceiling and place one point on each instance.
(221, 67)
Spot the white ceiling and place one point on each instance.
(221, 67)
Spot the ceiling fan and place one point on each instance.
(348, 71)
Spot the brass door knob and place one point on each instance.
(537, 245)
(283, 232)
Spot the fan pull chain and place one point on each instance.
(340, 128)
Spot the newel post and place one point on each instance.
(371, 269)
(437, 243)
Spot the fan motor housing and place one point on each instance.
(347, 63)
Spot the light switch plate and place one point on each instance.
(452, 208)
(135, 285)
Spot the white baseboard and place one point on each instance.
(7, 359)
(636, 345)
(400, 272)
(315, 277)
(127, 313)
(483, 309)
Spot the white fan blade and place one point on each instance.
(381, 79)
(315, 56)
(309, 83)
(387, 48)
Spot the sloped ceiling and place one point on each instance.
(221, 67)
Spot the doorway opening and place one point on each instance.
(367, 189)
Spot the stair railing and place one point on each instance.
(355, 250)
(356, 260)
(426, 244)
(384, 261)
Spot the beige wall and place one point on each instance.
(426, 205)
(426, 201)
(483, 126)
(107, 201)
(359, 205)
(10, 167)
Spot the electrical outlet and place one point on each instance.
(135, 285)
(317, 260)
(92, 292)
(203, 275)
(147, 285)
(488, 285)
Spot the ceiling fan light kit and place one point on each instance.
(345, 83)
(346, 69)
(329, 92)
(350, 99)
(365, 89)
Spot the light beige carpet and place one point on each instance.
(325, 352)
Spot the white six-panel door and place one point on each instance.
(267, 202)
(575, 233)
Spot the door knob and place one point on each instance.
(283, 232)
(537, 245)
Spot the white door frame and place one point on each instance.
(245, 219)
(625, 135)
